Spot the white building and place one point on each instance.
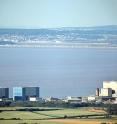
(51, 99)
(107, 92)
(32, 99)
(91, 98)
(72, 99)
(112, 85)
(84, 99)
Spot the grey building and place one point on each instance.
(28, 92)
(4, 92)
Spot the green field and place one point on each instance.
(8, 116)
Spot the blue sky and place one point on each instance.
(57, 13)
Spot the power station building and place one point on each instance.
(30, 93)
(17, 93)
(109, 89)
(97, 93)
(107, 92)
(4, 93)
(25, 93)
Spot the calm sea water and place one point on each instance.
(58, 71)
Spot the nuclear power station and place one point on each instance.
(109, 89)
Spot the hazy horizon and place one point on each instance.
(58, 27)
(57, 13)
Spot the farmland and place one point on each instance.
(20, 115)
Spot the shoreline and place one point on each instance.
(57, 46)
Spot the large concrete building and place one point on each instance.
(112, 85)
(109, 89)
(4, 93)
(107, 92)
(17, 93)
(25, 93)
(30, 92)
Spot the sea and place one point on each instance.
(59, 72)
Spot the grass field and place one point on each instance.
(8, 116)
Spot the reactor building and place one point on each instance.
(4, 93)
(109, 89)
(26, 93)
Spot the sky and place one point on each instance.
(57, 13)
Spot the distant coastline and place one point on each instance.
(78, 45)
(66, 37)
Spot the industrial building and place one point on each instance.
(25, 93)
(91, 98)
(30, 93)
(112, 85)
(17, 93)
(97, 93)
(4, 93)
(109, 89)
(107, 92)
(72, 99)
(51, 99)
